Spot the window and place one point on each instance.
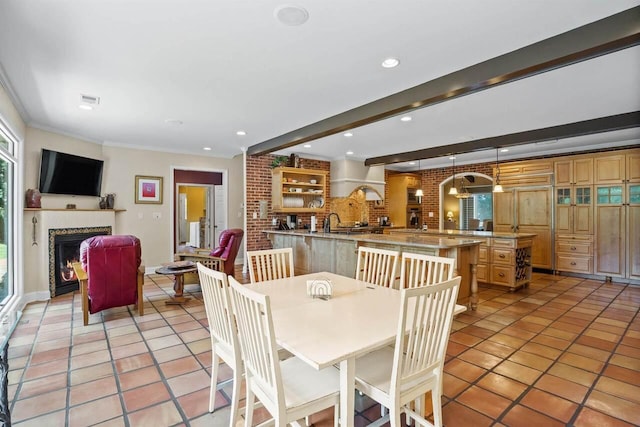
(478, 206)
(7, 219)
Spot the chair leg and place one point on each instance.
(248, 413)
(235, 397)
(140, 303)
(85, 302)
(215, 362)
(437, 408)
(394, 417)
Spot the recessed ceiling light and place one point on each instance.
(206, 148)
(291, 15)
(504, 150)
(85, 107)
(390, 63)
(452, 157)
(412, 163)
(349, 153)
(405, 118)
(348, 134)
(241, 133)
(173, 122)
(307, 145)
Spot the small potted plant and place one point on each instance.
(279, 161)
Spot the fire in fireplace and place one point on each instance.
(64, 250)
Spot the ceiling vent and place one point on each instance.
(89, 99)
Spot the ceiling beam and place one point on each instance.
(608, 35)
(569, 130)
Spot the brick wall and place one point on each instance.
(259, 188)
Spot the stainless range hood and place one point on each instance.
(348, 176)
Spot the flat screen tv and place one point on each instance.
(62, 173)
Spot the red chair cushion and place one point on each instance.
(111, 263)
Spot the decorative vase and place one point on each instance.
(32, 199)
(111, 201)
(103, 203)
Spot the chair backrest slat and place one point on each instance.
(377, 266)
(257, 343)
(217, 304)
(424, 326)
(423, 270)
(270, 264)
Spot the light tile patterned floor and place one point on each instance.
(564, 351)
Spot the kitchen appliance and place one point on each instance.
(383, 220)
(413, 218)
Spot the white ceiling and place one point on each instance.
(227, 65)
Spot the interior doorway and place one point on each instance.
(200, 208)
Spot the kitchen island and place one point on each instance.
(337, 253)
(504, 259)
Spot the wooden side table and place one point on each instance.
(178, 281)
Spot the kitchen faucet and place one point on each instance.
(327, 222)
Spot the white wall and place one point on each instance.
(121, 167)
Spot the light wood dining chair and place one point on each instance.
(399, 375)
(423, 270)
(224, 334)
(270, 264)
(290, 389)
(377, 266)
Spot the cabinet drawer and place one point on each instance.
(503, 243)
(482, 254)
(502, 256)
(502, 275)
(574, 264)
(573, 247)
(481, 273)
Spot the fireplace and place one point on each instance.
(64, 249)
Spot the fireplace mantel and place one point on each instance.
(35, 240)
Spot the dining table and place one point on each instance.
(356, 319)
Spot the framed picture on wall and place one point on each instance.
(149, 189)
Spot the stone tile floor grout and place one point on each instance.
(126, 370)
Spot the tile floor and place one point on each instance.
(563, 351)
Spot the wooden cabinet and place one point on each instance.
(527, 210)
(398, 185)
(574, 172)
(574, 253)
(618, 230)
(510, 262)
(298, 190)
(610, 169)
(574, 210)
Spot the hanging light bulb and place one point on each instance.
(498, 187)
(419, 193)
(463, 193)
(453, 191)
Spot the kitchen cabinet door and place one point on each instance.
(527, 210)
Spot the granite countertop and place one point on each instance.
(406, 239)
(462, 233)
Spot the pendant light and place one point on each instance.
(498, 187)
(419, 192)
(463, 193)
(453, 190)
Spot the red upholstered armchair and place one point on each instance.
(110, 273)
(222, 258)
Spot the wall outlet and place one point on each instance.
(430, 214)
(157, 215)
(255, 215)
